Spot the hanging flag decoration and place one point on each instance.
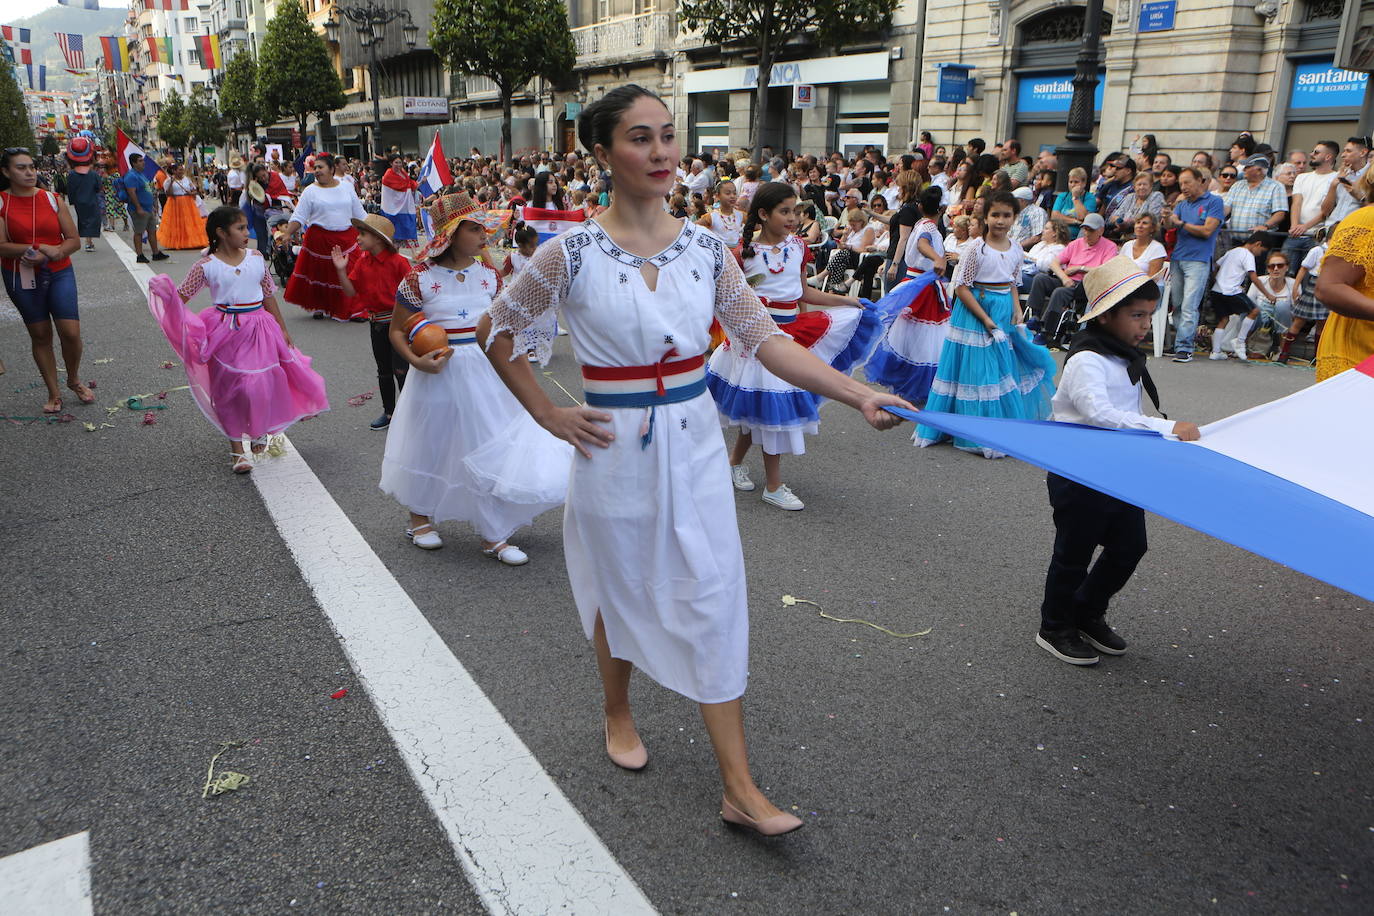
(73, 49)
(116, 52)
(42, 83)
(166, 4)
(83, 4)
(18, 39)
(160, 50)
(208, 46)
(1303, 459)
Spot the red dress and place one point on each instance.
(314, 283)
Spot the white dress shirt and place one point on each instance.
(1096, 391)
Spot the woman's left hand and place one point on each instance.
(877, 417)
(51, 252)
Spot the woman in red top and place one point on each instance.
(37, 238)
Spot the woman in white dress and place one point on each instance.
(459, 447)
(655, 564)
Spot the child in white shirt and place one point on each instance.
(1235, 271)
(1102, 384)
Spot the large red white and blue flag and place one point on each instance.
(550, 224)
(124, 148)
(73, 49)
(434, 176)
(1304, 458)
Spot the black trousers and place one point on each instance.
(1085, 519)
(1041, 287)
(1065, 299)
(391, 368)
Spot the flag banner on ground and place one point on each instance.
(124, 148)
(73, 49)
(116, 51)
(550, 224)
(83, 4)
(160, 50)
(208, 46)
(434, 176)
(1303, 459)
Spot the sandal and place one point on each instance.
(259, 445)
(242, 463)
(425, 537)
(50, 411)
(507, 553)
(79, 388)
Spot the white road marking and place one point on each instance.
(53, 879)
(525, 848)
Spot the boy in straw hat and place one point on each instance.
(374, 279)
(1102, 384)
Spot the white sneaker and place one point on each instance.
(425, 539)
(508, 554)
(740, 475)
(783, 498)
(1242, 351)
(1217, 354)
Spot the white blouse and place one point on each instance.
(451, 297)
(727, 228)
(1043, 253)
(924, 229)
(981, 263)
(329, 208)
(245, 283)
(1152, 251)
(780, 269)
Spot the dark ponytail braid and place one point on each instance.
(766, 198)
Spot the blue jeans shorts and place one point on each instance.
(52, 298)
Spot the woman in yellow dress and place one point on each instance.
(182, 225)
(1346, 287)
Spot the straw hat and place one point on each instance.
(1107, 285)
(379, 226)
(256, 192)
(236, 161)
(447, 212)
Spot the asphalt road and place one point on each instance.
(151, 612)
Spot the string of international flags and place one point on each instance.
(115, 51)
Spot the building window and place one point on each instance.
(238, 9)
(1062, 25)
(1319, 10)
(191, 23)
(193, 58)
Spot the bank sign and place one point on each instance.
(1318, 84)
(1051, 93)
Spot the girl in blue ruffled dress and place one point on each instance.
(839, 329)
(988, 365)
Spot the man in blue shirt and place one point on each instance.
(1198, 216)
(142, 209)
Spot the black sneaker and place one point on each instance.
(1067, 646)
(162, 256)
(140, 260)
(1102, 637)
(1183, 356)
(381, 422)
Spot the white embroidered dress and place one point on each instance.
(460, 447)
(649, 531)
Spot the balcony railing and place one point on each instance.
(646, 37)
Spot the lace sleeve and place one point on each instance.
(194, 282)
(408, 293)
(1353, 242)
(269, 286)
(739, 310)
(967, 271)
(527, 307)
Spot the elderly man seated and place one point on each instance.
(1062, 284)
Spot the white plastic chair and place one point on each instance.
(1160, 320)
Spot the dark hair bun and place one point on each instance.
(597, 122)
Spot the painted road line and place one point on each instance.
(524, 846)
(142, 273)
(49, 880)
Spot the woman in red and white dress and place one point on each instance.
(326, 210)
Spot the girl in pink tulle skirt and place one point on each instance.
(248, 379)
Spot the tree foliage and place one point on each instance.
(509, 43)
(768, 25)
(171, 121)
(201, 120)
(49, 146)
(238, 95)
(15, 129)
(295, 74)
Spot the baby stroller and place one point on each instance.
(283, 262)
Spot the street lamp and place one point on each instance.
(370, 20)
(1078, 150)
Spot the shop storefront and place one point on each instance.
(1042, 105)
(1323, 103)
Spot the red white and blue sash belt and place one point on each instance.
(781, 312)
(664, 382)
(232, 312)
(458, 336)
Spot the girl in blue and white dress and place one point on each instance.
(841, 332)
(653, 553)
(907, 357)
(988, 365)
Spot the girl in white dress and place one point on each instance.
(459, 447)
(840, 331)
(726, 221)
(654, 561)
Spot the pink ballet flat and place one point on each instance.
(776, 825)
(636, 759)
